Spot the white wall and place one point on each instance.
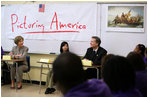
(120, 43)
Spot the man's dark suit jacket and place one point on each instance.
(95, 58)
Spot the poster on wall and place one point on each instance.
(125, 18)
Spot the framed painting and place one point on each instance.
(125, 17)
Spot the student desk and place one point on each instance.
(42, 64)
(96, 67)
(16, 61)
(47, 64)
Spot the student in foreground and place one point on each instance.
(119, 75)
(141, 71)
(140, 48)
(70, 78)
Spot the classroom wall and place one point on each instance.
(120, 43)
(35, 67)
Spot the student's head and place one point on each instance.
(118, 73)
(140, 48)
(103, 60)
(95, 42)
(136, 60)
(19, 41)
(145, 53)
(68, 71)
(64, 47)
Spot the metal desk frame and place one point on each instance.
(96, 67)
(42, 63)
(16, 61)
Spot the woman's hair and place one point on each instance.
(142, 48)
(118, 73)
(17, 39)
(68, 71)
(63, 44)
(136, 60)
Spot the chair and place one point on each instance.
(26, 71)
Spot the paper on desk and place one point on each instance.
(45, 60)
(86, 62)
(6, 57)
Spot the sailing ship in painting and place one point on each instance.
(127, 20)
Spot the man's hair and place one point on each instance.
(97, 39)
(136, 60)
(68, 71)
(118, 73)
(63, 44)
(17, 39)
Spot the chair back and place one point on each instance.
(28, 63)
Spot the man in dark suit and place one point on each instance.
(95, 53)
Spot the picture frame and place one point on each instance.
(125, 17)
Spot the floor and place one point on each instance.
(28, 90)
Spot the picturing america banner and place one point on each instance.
(54, 21)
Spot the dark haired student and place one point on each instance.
(141, 71)
(49, 81)
(70, 78)
(95, 53)
(119, 75)
(140, 48)
(64, 47)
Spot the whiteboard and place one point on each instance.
(77, 44)
(120, 43)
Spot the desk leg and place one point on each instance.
(40, 77)
(48, 66)
(97, 73)
(16, 75)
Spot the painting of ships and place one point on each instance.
(127, 20)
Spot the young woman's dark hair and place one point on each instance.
(63, 44)
(136, 60)
(142, 48)
(68, 71)
(119, 74)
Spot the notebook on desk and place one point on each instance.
(6, 57)
(86, 62)
(45, 60)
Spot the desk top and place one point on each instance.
(44, 62)
(14, 60)
(94, 66)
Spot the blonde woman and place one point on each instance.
(18, 52)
